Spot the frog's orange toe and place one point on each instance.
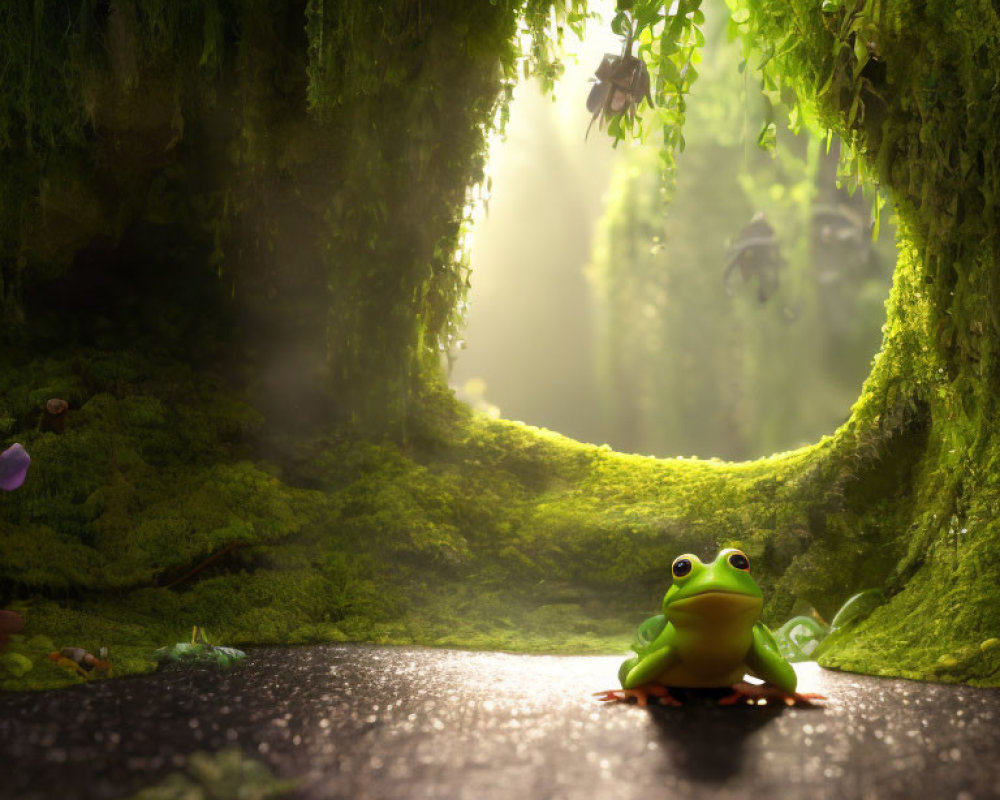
(755, 694)
(641, 694)
(661, 693)
(804, 699)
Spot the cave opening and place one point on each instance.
(603, 312)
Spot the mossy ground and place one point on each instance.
(473, 533)
(478, 533)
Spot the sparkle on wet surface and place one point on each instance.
(371, 722)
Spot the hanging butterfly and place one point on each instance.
(756, 253)
(622, 84)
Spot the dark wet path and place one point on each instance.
(370, 722)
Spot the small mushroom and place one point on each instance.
(14, 463)
(10, 623)
(55, 415)
(81, 662)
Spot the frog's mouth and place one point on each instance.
(717, 603)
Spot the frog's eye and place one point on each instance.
(681, 567)
(739, 560)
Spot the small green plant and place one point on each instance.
(199, 651)
(226, 775)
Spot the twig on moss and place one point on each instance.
(229, 548)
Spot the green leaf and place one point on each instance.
(861, 49)
(877, 214)
(826, 86)
(648, 15)
(858, 607)
(669, 72)
(615, 128)
(768, 137)
(620, 24)
(768, 108)
(852, 115)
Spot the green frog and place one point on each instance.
(708, 636)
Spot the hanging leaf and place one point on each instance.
(768, 137)
(877, 204)
(620, 24)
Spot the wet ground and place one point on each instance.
(372, 722)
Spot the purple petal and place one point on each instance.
(14, 463)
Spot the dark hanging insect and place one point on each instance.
(841, 236)
(622, 84)
(755, 253)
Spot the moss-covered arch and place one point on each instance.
(272, 454)
(921, 128)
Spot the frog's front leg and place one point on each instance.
(639, 674)
(648, 667)
(765, 661)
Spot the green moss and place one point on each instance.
(496, 534)
(487, 534)
(225, 775)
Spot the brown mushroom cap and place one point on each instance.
(10, 622)
(55, 406)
